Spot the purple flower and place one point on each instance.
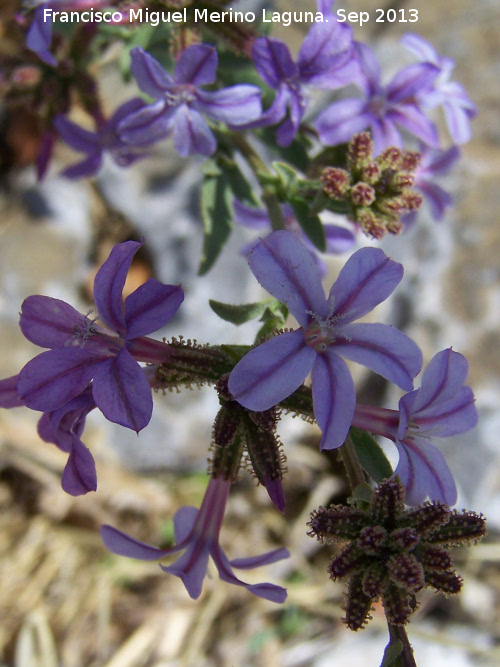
(441, 408)
(39, 35)
(457, 106)
(197, 533)
(383, 108)
(338, 239)
(272, 371)
(63, 427)
(324, 61)
(433, 164)
(181, 103)
(80, 350)
(95, 144)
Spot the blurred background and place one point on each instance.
(64, 600)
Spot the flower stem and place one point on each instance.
(261, 171)
(398, 633)
(351, 463)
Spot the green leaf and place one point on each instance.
(216, 212)
(310, 223)
(240, 187)
(371, 455)
(392, 654)
(287, 175)
(238, 314)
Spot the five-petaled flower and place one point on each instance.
(197, 533)
(458, 108)
(82, 350)
(325, 60)
(272, 371)
(181, 103)
(440, 408)
(383, 108)
(104, 140)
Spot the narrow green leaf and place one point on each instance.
(239, 185)
(238, 314)
(310, 223)
(217, 214)
(287, 174)
(371, 455)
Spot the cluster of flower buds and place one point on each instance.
(393, 553)
(379, 190)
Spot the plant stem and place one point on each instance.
(351, 463)
(398, 632)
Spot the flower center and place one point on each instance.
(178, 95)
(378, 105)
(319, 334)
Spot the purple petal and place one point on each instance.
(191, 568)
(334, 398)
(384, 134)
(287, 131)
(265, 590)
(192, 133)
(413, 119)
(367, 278)
(9, 398)
(326, 47)
(75, 136)
(184, 520)
(274, 488)
(424, 473)
(438, 199)
(150, 307)
(252, 562)
(151, 123)
(197, 65)
(442, 379)
(251, 217)
(410, 81)
(383, 349)
(109, 282)
(286, 269)
(458, 123)
(338, 239)
(236, 105)
(149, 74)
(273, 61)
(49, 322)
(272, 371)
(53, 378)
(122, 392)
(420, 47)
(79, 476)
(84, 168)
(438, 162)
(122, 544)
(126, 109)
(39, 37)
(341, 120)
(370, 69)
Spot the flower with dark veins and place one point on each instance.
(96, 144)
(182, 104)
(197, 533)
(442, 407)
(81, 349)
(393, 553)
(275, 369)
(383, 108)
(458, 108)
